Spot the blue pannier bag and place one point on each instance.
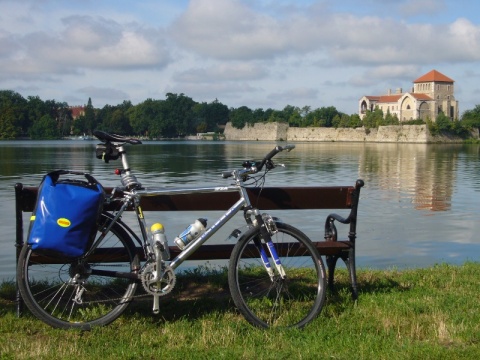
(64, 220)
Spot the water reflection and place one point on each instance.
(423, 173)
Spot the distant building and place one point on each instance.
(77, 111)
(431, 94)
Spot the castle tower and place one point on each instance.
(440, 88)
(432, 93)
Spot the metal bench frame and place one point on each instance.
(271, 198)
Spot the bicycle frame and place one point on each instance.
(134, 197)
(242, 203)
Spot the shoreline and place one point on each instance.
(418, 134)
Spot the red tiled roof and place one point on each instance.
(433, 75)
(77, 111)
(389, 98)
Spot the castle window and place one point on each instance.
(408, 107)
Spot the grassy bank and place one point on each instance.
(428, 313)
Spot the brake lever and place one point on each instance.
(269, 165)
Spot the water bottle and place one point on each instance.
(158, 234)
(191, 233)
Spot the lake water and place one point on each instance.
(420, 204)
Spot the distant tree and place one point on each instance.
(241, 116)
(390, 119)
(114, 119)
(341, 121)
(471, 118)
(35, 109)
(304, 111)
(8, 124)
(355, 121)
(148, 118)
(45, 128)
(295, 118)
(277, 116)
(179, 115)
(217, 114)
(90, 122)
(373, 118)
(259, 115)
(321, 117)
(336, 121)
(443, 122)
(13, 115)
(207, 116)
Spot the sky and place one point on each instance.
(260, 54)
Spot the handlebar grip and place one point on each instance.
(274, 152)
(226, 174)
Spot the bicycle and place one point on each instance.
(276, 276)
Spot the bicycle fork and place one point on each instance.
(268, 228)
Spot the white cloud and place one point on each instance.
(222, 72)
(295, 94)
(85, 42)
(266, 53)
(105, 93)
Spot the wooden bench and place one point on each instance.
(278, 198)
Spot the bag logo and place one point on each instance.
(64, 222)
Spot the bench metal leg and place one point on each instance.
(18, 240)
(349, 260)
(331, 264)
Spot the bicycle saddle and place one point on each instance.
(104, 137)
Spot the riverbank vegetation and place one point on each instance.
(429, 313)
(179, 115)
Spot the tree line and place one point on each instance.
(179, 115)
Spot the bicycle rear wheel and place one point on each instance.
(80, 293)
(290, 302)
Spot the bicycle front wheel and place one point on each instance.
(83, 292)
(272, 301)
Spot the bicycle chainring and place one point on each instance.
(161, 287)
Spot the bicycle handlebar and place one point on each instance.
(274, 152)
(252, 167)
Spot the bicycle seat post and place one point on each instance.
(128, 179)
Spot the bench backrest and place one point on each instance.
(271, 198)
(331, 197)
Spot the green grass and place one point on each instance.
(431, 313)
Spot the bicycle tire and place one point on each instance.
(48, 288)
(292, 302)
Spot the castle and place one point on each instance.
(431, 94)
